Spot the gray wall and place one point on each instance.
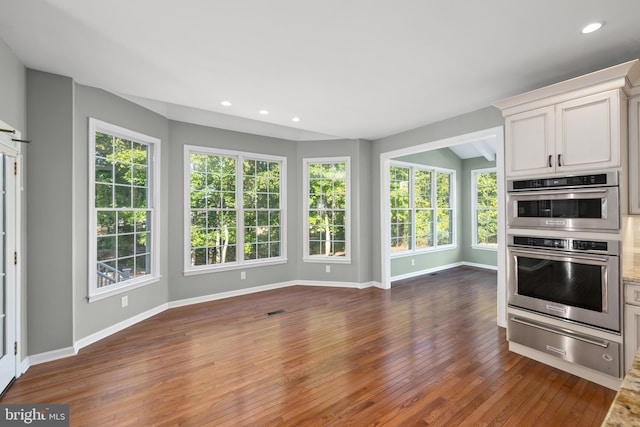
(50, 214)
(359, 270)
(13, 111)
(471, 122)
(58, 311)
(182, 287)
(58, 112)
(98, 315)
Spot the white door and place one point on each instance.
(7, 270)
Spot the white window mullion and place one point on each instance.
(434, 205)
(412, 207)
(240, 209)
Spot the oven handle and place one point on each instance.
(529, 192)
(562, 331)
(550, 255)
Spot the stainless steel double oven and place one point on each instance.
(566, 274)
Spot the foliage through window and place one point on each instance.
(235, 208)
(123, 200)
(327, 215)
(421, 207)
(485, 207)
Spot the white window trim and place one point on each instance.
(474, 205)
(188, 269)
(305, 217)
(94, 293)
(454, 210)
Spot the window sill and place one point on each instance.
(123, 289)
(208, 269)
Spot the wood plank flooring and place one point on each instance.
(427, 352)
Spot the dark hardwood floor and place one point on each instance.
(427, 352)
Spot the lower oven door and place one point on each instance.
(580, 288)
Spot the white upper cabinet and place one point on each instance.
(576, 135)
(588, 132)
(578, 125)
(530, 144)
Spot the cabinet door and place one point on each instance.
(588, 132)
(529, 142)
(631, 333)
(634, 155)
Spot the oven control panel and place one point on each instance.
(609, 247)
(575, 181)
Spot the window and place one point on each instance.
(235, 209)
(326, 212)
(124, 219)
(401, 224)
(484, 204)
(422, 208)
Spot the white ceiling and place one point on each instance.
(347, 68)
(483, 148)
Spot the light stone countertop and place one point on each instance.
(631, 275)
(625, 409)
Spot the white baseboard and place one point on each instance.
(484, 266)
(95, 337)
(442, 267)
(49, 356)
(230, 294)
(426, 271)
(24, 365)
(353, 285)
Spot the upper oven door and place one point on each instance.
(566, 209)
(579, 287)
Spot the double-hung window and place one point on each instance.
(234, 209)
(422, 207)
(123, 209)
(484, 205)
(401, 214)
(327, 213)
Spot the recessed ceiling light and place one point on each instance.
(226, 103)
(296, 119)
(590, 28)
(263, 112)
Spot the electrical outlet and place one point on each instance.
(243, 275)
(413, 262)
(327, 268)
(125, 301)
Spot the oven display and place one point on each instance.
(564, 282)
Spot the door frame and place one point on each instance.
(10, 145)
